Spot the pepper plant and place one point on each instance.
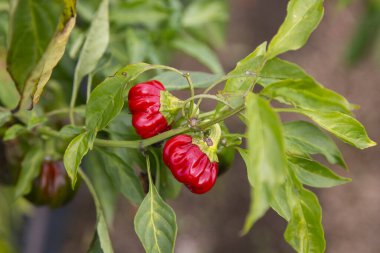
(130, 134)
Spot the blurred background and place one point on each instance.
(344, 55)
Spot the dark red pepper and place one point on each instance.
(192, 161)
(52, 187)
(153, 108)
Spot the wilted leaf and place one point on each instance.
(39, 33)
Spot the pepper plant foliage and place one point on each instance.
(97, 133)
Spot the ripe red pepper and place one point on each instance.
(192, 161)
(52, 186)
(153, 108)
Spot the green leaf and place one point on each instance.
(36, 119)
(201, 13)
(102, 231)
(132, 71)
(30, 168)
(303, 138)
(276, 70)
(167, 186)
(314, 174)
(170, 188)
(366, 34)
(280, 203)
(304, 231)
(103, 185)
(74, 154)
(107, 99)
(105, 102)
(39, 31)
(342, 126)
(303, 16)
(123, 177)
(9, 96)
(308, 95)
(70, 131)
(14, 131)
(121, 129)
(95, 246)
(136, 48)
(155, 223)
(5, 116)
(199, 51)
(101, 225)
(267, 162)
(174, 81)
(135, 13)
(251, 64)
(95, 44)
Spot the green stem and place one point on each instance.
(149, 173)
(219, 81)
(98, 205)
(192, 94)
(89, 87)
(63, 111)
(201, 96)
(157, 161)
(155, 139)
(74, 96)
(292, 110)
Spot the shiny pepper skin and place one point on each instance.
(52, 187)
(144, 100)
(189, 164)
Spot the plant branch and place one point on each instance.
(140, 144)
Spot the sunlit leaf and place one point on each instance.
(266, 156)
(342, 126)
(304, 231)
(276, 70)
(307, 94)
(303, 16)
(249, 67)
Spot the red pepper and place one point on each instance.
(52, 186)
(153, 108)
(193, 161)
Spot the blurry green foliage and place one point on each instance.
(366, 39)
